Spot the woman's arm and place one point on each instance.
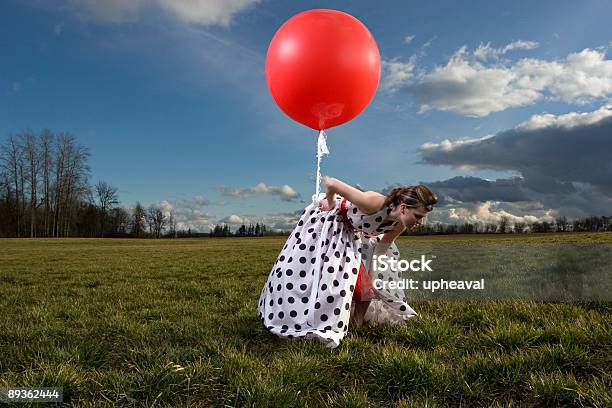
(368, 202)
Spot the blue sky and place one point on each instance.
(171, 100)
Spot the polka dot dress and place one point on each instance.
(310, 287)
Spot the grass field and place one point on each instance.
(174, 323)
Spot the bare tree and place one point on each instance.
(172, 224)
(503, 224)
(46, 153)
(30, 149)
(12, 162)
(138, 220)
(106, 198)
(156, 219)
(562, 224)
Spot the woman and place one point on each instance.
(325, 265)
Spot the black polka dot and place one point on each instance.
(289, 272)
(300, 223)
(281, 315)
(343, 293)
(293, 313)
(336, 283)
(290, 299)
(324, 317)
(278, 287)
(331, 269)
(282, 258)
(297, 327)
(270, 316)
(302, 274)
(302, 247)
(340, 323)
(289, 285)
(345, 276)
(304, 299)
(303, 286)
(366, 225)
(324, 286)
(330, 299)
(337, 254)
(312, 248)
(378, 219)
(303, 259)
(336, 311)
(280, 301)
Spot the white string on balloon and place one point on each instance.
(322, 150)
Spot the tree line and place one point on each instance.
(45, 191)
(504, 226)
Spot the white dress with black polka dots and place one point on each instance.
(310, 287)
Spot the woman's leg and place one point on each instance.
(359, 313)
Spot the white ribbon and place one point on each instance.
(322, 150)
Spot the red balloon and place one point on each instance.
(322, 68)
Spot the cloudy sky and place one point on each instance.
(502, 108)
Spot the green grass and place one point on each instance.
(174, 323)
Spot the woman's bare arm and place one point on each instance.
(368, 202)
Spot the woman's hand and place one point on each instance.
(330, 193)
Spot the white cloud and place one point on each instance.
(487, 213)
(200, 200)
(566, 121)
(408, 39)
(470, 85)
(397, 74)
(204, 12)
(485, 51)
(234, 219)
(286, 192)
(187, 214)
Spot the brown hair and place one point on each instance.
(413, 197)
